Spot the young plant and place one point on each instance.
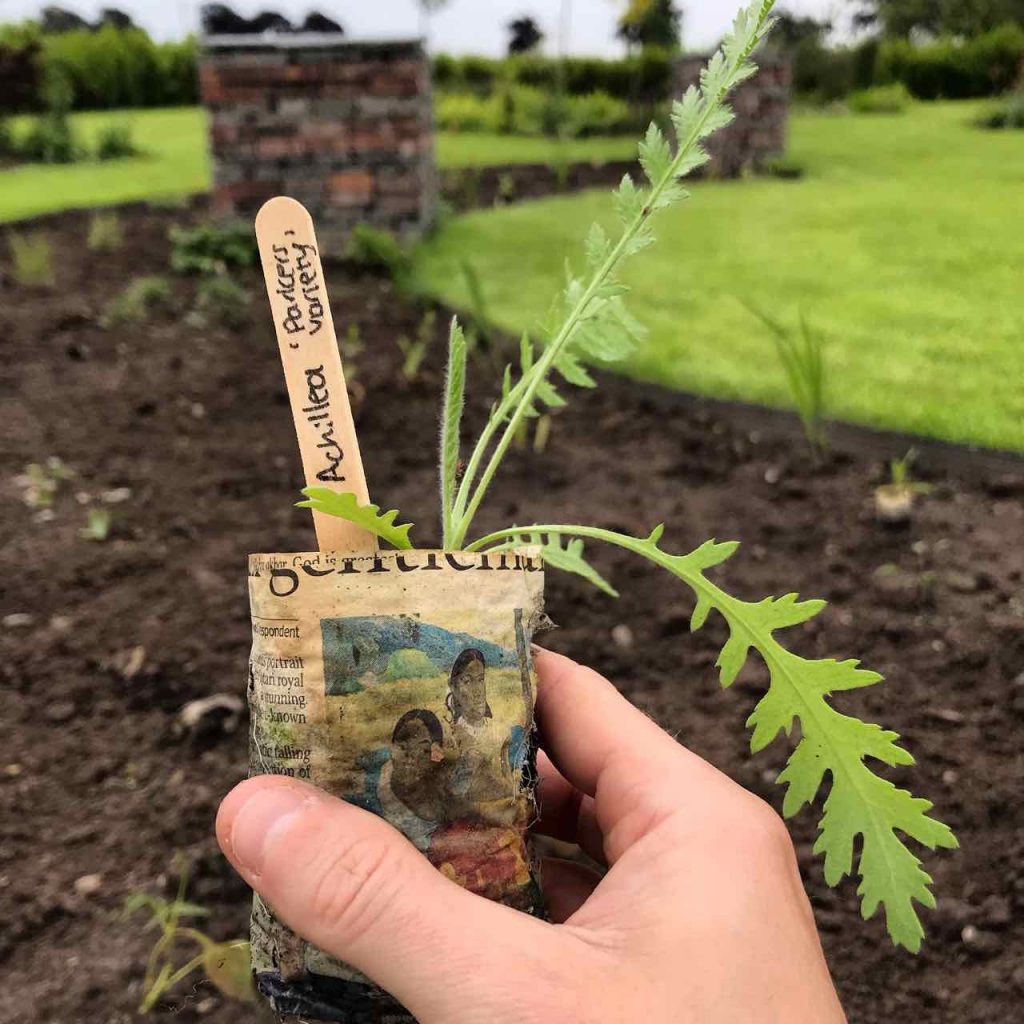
(142, 299)
(802, 359)
(41, 481)
(211, 248)
(894, 501)
(97, 525)
(220, 300)
(105, 233)
(225, 964)
(414, 352)
(862, 808)
(32, 256)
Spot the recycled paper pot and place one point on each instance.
(402, 682)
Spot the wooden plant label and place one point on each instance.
(312, 365)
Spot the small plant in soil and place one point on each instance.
(31, 260)
(105, 233)
(378, 251)
(864, 813)
(211, 248)
(220, 300)
(142, 299)
(41, 481)
(894, 501)
(97, 525)
(225, 964)
(415, 351)
(802, 356)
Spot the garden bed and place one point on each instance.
(104, 642)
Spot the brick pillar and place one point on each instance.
(761, 104)
(346, 128)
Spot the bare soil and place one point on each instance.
(104, 641)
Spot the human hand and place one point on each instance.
(701, 916)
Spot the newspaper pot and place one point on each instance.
(402, 682)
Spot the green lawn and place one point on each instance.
(176, 162)
(904, 244)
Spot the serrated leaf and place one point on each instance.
(344, 505)
(629, 200)
(596, 247)
(451, 418)
(860, 804)
(655, 154)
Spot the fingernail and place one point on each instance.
(265, 814)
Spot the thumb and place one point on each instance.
(352, 885)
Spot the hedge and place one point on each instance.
(987, 65)
(645, 78)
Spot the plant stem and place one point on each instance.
(539, 371)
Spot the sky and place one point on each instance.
(462, 26)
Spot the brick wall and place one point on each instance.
(345, 128)
(762, 115)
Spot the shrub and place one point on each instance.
(115, 141)
(51, 139)
(105, 233)
(881, 99)
(955, 69)
(32, 259)
(212, 248)
(1009, 114)
(220, 300)
(372, 249)
(143, 298)
(409, 663)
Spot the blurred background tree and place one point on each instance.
(903, 19)
(524, 35)
(651, 24)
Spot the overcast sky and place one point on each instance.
(463, 26)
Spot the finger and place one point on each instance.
(567, 886)
(638, 775)
(352, 885)
(565, 812)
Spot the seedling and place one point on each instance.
(802, 359)
(862, 808)
(414, 352)
(40, 482)
(220, 300)
(105, 233)
(225, 964)
(894, 501)
(141, 300)
(33, 260)
(211, 248)
(97, 526)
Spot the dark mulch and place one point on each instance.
(121, 634)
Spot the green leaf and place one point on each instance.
(451, 417)
(655, 154)
(229, 966)
(344, 505)
(568, 558)
(860, 803)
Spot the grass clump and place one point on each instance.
(801, 354)
(31, 259)
(141, 300)
(106, 233)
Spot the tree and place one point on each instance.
(115, 18)
(317, 22)
(791, 30)
(902, 18)
(651, 23)
(55, 20)
(524, 35)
